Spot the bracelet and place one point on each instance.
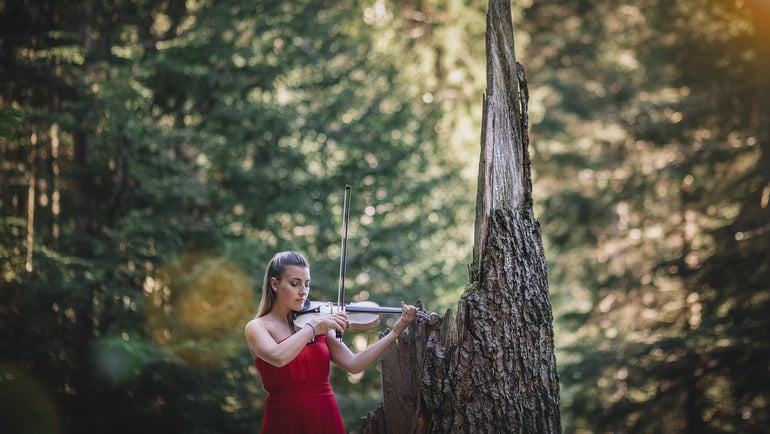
(314, 333)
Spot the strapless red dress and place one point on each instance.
(300, 398)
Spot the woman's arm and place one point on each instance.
(263, 345)
(355, 363)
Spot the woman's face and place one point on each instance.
(293, 287)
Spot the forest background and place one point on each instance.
(155, 154)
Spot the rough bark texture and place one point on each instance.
(401, 370)
(493, 369)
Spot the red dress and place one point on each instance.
(301, 400)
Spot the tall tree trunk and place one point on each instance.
(761, 12)
(492, 370)
(31, 183)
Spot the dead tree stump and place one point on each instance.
(493, 369)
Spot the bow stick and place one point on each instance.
(343, 251)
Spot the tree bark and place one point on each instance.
(493, 370)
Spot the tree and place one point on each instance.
(493, 369)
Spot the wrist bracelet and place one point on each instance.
(314, 333)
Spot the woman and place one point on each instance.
(294, 359)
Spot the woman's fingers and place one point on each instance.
(409, 312)
(340, 321)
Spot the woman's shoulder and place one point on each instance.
(254, 324)
(262, 324)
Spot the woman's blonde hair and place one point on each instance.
(275, 268)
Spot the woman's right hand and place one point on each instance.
(325, 324)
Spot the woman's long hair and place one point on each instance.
(275, 268)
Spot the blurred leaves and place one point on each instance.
(172, 150)
(648, 170)
(168, 149)
(10, 121)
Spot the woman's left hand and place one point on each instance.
(408, 314)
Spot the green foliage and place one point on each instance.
(173, 145)
(648, 165)
(174, 148)
(10, 121)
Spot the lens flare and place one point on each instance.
(116, 360)
(197, 307)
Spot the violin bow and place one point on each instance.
(343, 250)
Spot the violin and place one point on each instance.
(362, 315)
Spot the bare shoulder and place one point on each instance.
(261, 327)
(254, 325)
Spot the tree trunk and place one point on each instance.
(493, 370)
(761, 14)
